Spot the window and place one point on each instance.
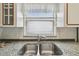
(8, 13)
(39, 20)
(34, 26)
(40, 26)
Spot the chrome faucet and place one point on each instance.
(39, 38)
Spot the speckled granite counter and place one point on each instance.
(68, 48)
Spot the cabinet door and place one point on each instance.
(0, 14)
(8, 14)
(73, 14)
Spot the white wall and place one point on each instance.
(19, 15)
(60, 16)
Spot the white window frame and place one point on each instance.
(28, 19)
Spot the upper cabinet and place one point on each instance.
(72, 15)
(7, 15)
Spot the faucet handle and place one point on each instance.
(43, 36)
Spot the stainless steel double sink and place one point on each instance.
(43, 49)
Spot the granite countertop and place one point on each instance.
(69, 48)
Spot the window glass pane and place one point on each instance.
(11, 20)
(5, 4)
(6, 11)
(6, 20)
(39, 27)
(11, 4)
(11, 11)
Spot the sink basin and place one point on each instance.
(41, 49)
(57, 50)
(29, 50)
(49, 49)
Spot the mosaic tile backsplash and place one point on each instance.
(17, 33)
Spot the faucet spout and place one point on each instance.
(39, 38)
